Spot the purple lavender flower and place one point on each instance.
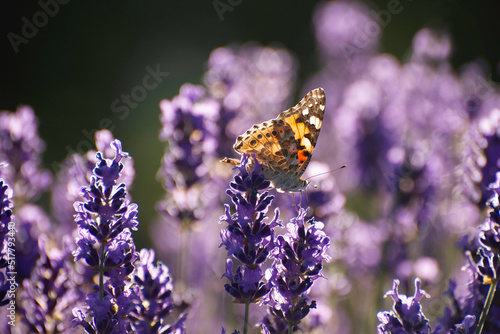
(75, 173)
(484, 268)
(104, 241)
(47, 298)
(248, 238)
(153, 292)
(108, 314)
(467, 308)
(246, 285)
(105, 218)
(21, 149)
(272, 324)
(298, 264)
(478, 308)
(406, 316)
(466, 326)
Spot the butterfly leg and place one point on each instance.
(307, 198)
(294, 204)
(231, 161)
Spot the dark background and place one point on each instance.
(91, 52)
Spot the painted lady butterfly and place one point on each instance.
(285, 144)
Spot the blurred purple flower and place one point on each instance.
(431, 47)
(406, 316)
(189, 127)
(345, 30)
(489, 128)
(31, 222)
(48, 296)
(251, 82)
(21, 149)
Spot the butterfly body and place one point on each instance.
(284, 145)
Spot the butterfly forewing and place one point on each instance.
(306, 119)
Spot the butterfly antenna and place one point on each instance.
(330, 171)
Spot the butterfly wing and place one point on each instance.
(267, 141)
(305, 120)
(285, 144)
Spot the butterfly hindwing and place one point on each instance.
(266, 140)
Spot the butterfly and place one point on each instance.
(284, 145)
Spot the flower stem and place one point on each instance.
(487, 305)
(245, 324)
(180, 266)
(101, 274)
(290, 329)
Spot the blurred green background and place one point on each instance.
(90, 53)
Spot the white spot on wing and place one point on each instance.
(306, 143)
(305, 111)
(315, 121)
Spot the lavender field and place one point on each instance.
(405, 239)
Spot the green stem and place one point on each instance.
(486, 308)
(180, 267)
(101, 273)
(245, 324)
(290, 329)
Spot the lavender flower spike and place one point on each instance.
(153, 297)
(105, 242)
(248, 238)
(406, 316)
(298, 264)
(47, 297)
